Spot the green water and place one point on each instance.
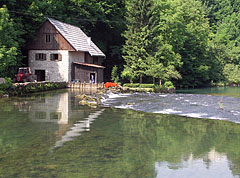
(220, 91)
(108, 142)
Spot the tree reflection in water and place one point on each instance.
(120, 143)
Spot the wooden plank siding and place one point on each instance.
(57, 41)
(82, 73)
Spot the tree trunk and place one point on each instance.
(140, 81)
(153, 80)
(160, 82)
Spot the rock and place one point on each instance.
(131, 103)
(2, 80)
(90, 101)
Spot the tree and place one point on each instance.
(231, 73)
(185, 28)
(115, 76)
(9, 54)
(99, 19)
(137, 48)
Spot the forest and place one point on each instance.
(185, 43)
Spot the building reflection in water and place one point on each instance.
(51, 109)
(59, 108)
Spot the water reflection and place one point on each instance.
(211, 165)
(51, 109)
(111, 142)
(77, 128)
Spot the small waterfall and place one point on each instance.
(188, 105)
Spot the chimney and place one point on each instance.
(89, 41)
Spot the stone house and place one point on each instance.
(63, 52)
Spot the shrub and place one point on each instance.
(131, 85)
(146, 85)
(5, 86)
(168, 84)
(1, 93)
(159, 89)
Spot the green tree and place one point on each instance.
(137, 48)
(185, 28)
(225, 36)
(231, 73)
(115, 75)
(9, 54)
(99, 19)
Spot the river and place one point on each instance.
(50, 135)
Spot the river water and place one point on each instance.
(215, 103)
(51, 135)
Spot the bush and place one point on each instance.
(168, 84)
(1, 93)
(159, 89)
(131, 85)
(137, 85)
(146, 85)
(231, 73)
(5, 86)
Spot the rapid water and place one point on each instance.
(206, 106)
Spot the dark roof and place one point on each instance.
(76, 37)
(89, 65)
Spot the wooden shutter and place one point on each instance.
(59, 57)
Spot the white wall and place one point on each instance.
(55, 71)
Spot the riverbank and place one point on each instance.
(18, 89)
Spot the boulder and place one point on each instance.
(2, 80)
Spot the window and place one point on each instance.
(48, 38)
(55, 115)
(40, 115)
(40, 56)
(55, 57)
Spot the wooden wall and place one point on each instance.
(82, 73)
(57, 41)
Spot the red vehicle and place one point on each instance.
(24, 75)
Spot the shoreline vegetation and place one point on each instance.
(19, 89)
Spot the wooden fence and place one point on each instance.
(85, 85)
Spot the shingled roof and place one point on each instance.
(76, 37)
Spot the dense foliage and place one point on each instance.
(191, 43)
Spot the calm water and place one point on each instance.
(218, 91)
(51, 135)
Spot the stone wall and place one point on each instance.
(55, 71)
(32, 87)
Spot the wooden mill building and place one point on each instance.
(63, 52)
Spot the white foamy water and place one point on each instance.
(187, 105)
(168, 111)
(195, 115)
